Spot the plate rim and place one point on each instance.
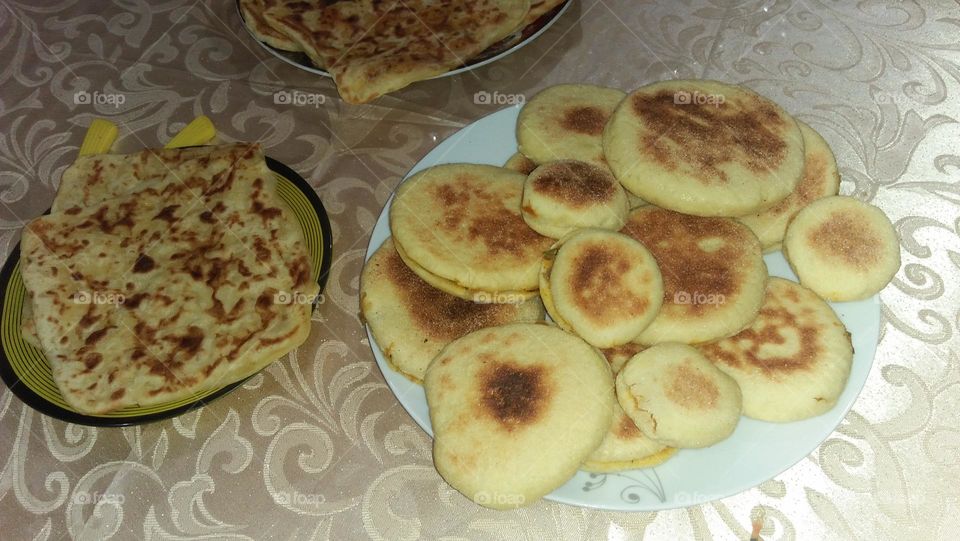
(698, 498)
(41, 405)
(282, 55)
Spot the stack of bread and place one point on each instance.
(638, 223)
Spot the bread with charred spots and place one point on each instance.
(842, 248)
(412, 320)
(515, 410)
(713, 274)
(793, 361)
(604, 286)
(820, 179)
(561, 196)
(704, 148)
(458, 226)
(566, 122)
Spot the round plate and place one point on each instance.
(757, 450)
(26, 372)
(502, 48)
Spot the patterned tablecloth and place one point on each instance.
(317, 446)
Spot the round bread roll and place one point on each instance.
(412, 321)
(565, 122)
(704, 148)
(461, 223)
(624, 447)
(677, 397)
(515, 410)
(520, 163)
(820, 179)
(634, 201)
(713, 274)
(842, 248)
(605, 286)
(793, 361)
(561, 196)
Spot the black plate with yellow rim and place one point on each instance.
(25, 369)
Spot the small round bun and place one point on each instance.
(565, 122)
(626, 448)
(520, 163)
(842, 248)
(677, 397)
(605, 286)
(561, 196)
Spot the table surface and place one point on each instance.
(316, 446)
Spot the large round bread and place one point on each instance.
(820, 179)
(461, 222)
(793, 361)
(677, 397)
(564, 195)
(412, 321)
(605, 286)
(515, 410)
(704, 148)
(713, 274)
(565, 122)
(842, 248)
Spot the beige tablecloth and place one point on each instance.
(317, 446)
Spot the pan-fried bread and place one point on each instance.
(704, 148)
(515, 410)
(625, 447)
(713, 274)
(462, 223)
(561, 196)
(412, 321)
(820, 179)
(793, 361)
(372, 48)
(539, 8)
(260, 26)
(179, 286)
(565, 122)
(606, 286)
(618, 356)
(842, 248)
(677, 397)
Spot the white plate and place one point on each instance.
(757, 450)
(532, 32)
